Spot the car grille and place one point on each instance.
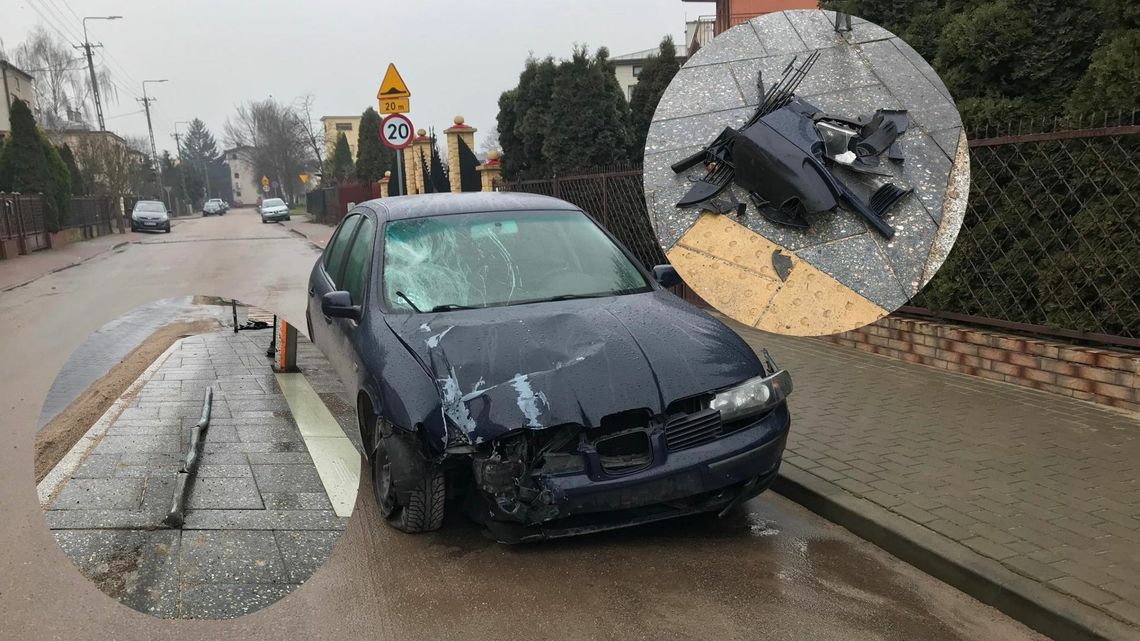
(690, 430)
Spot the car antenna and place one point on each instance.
(408, 301)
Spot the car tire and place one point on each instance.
(167, 230)
(286, 219)
(425, 508)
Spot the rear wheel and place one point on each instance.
(424, 509)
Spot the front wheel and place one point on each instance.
(424, 509)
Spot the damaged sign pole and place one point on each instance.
(189, 469)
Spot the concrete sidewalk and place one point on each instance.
(259, 520)
(1035, 493)
(316, 233)
(20, 270)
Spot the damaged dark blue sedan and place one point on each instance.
(508, 356)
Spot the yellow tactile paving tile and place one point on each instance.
(738, 293)
(730, 266)
(811, 303)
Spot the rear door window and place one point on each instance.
(359, 260)
(334, 254)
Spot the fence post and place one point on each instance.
(555, 186)
(21, 240)
(605, 201)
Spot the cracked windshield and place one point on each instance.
(480, 260)
(655, 319)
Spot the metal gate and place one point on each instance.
(22, 224)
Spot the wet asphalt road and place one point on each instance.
(771, 570)
(109, 345)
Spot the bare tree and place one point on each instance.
(273, 138)
(114, 167)
(313, 132)
(490, 142)
(63, 84)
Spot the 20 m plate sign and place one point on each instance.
(396, 131)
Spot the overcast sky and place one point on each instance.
(456, 56)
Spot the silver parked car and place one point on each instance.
(150, 214)
(274, 209)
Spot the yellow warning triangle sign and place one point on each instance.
(393, 85)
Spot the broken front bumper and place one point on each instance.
(709, 477)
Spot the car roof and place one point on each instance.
(421, 205)
(156, 202)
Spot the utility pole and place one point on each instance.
(145, 100)
(87, 47)
(181, 162)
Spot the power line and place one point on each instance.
(51, 24)
(55, 11)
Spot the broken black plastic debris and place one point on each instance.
(783, 154)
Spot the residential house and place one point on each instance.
(730, 13)
(347, 125)
(244, 181)
(16, 84)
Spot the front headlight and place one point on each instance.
(753, 396)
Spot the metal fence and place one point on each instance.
(91, 215)
(1050, 243)
(1051, 238)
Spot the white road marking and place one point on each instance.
(335, 457)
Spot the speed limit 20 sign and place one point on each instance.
(396, 131)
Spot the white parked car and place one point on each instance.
(214, 207)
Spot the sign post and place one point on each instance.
(396, 133)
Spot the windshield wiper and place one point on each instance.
(450, 306)
(575, 296)
(400, 294)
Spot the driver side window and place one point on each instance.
(334, 253)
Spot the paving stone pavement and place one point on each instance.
(258, 520)
(110, 344)
(1046, 485)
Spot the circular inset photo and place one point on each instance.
(195, 459)
(806, 172)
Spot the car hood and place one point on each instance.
(546, 364)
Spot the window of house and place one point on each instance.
(636, 70)
(236, 175)
(344, 126)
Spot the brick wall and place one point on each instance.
(1104, 376)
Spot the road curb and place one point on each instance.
(1033, 604)
(302, 235)
(77, 263)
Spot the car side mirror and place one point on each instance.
(666, 276)
(339, 305)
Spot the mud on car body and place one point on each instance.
(508, 356)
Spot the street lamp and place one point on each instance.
(87, 46)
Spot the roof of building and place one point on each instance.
(12, 67)
(324, 118)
